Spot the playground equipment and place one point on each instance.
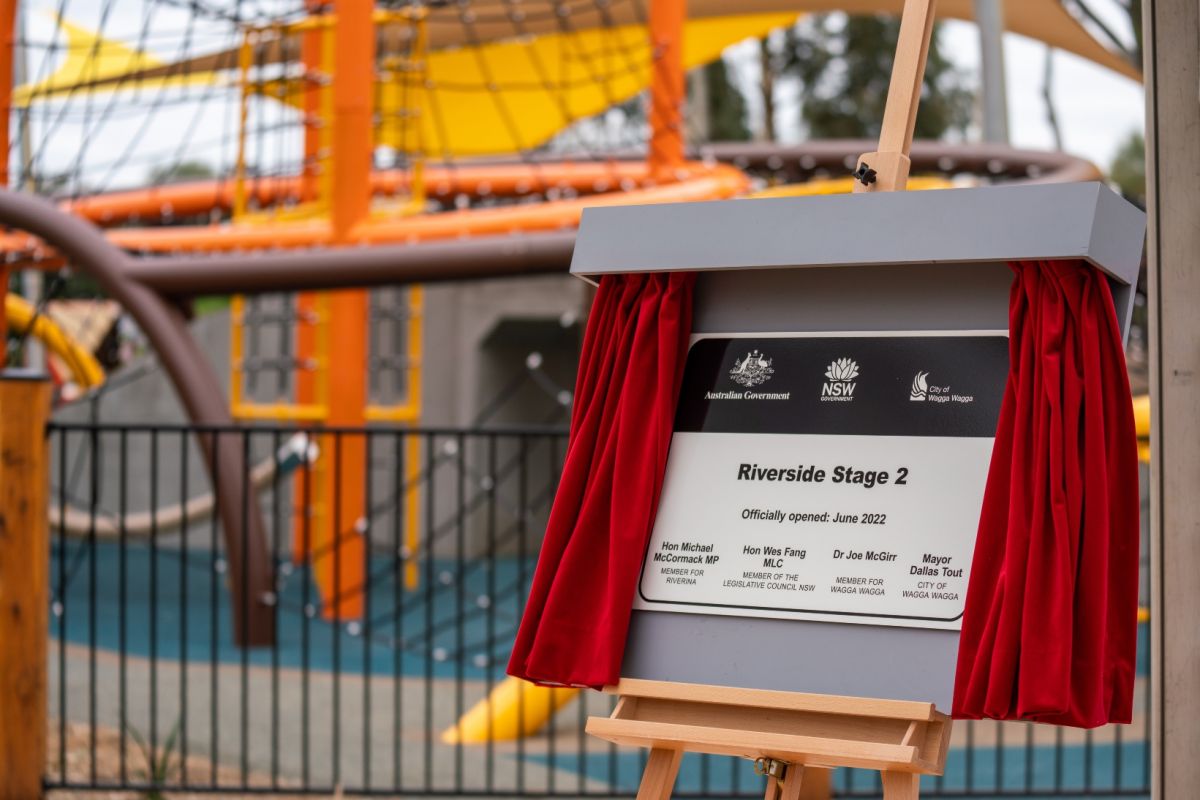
(23, 317)
(348, 135)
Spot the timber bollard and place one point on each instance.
(24, 584)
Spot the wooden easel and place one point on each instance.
(789, 735)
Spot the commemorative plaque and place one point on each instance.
(800, 598)
(835, 423)
(832, 477)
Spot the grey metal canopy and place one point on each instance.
(993, 223)
(950, 226)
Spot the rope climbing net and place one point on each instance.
(235, 105)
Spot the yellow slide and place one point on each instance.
(513, 710)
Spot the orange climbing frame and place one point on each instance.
(597, 184)
(442, 181)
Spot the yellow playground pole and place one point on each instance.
(22, 315)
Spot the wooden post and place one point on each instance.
(24, 585)
(1171, 35)
(886, 170)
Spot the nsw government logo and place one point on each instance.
(840, 384)
(752, 370)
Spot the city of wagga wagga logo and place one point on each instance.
(751, 370)
(924, 391)
(840, 375)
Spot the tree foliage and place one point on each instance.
(1128, 168)
(180, 171)
(726, 106)
(844, 65)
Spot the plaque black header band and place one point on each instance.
(794, 397)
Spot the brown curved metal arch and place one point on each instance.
(86, 248)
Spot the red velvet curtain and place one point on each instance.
(575, 623)
(1050, 628)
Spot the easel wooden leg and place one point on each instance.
(901, 785)
(792, 780)
(799, 782)
(817, 785)
(659, 778)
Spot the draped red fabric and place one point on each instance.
(1050, 628)
(574, 627)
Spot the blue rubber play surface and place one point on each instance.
(460, 620)
(175, 608)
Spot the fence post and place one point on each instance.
(24, 584)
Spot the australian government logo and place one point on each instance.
(753, 370)
(923, 391)
(839, 381)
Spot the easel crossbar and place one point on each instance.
(901, 739)
(763, 698)
(809, 750)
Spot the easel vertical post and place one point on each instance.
(886, 170)
(24, 585)
(901, 785)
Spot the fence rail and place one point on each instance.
(390, 626)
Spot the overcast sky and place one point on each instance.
(1096, 108)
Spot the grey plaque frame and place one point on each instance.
(935, 260)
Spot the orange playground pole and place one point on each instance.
(306, 302)
(310, 57)
(665, 154)
(340, 561)
(8, 21)
(7, 28)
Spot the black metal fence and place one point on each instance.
(428, 572)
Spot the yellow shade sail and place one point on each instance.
(488, 99)
(502, 93)
(93, 61)
(540, 86)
